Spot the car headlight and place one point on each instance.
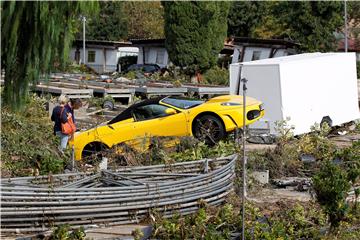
(230, 104)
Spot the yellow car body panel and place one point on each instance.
(228, 108)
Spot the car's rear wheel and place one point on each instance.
(209, 129)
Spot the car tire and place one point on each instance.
(108, 105)
(327, 120)
(209, 129)
(94, 152)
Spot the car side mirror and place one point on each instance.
(170, 111)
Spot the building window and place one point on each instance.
(256, 55)
(160, 57)
(91, 56)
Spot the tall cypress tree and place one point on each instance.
(195, 33)
(34, 36)
(111, 24)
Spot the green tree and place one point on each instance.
(195, 33)
(243, 17)
(145, 19)
(310, 23)
(35, 35)
(354, 19)
(354, 11)
(111, 24)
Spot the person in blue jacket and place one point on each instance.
(60, 114)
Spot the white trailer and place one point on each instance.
(307, 88)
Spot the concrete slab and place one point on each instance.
(119, 232)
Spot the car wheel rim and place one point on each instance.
(208, 130)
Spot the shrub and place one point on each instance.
(64, 232)
(130, 75)
(350, 157)
(216, 75)
(22, 134)
(331, 186)
(289, 222)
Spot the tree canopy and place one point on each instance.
(195, 33)
(111, 24)
(243, 17)
(35, 35)
(145, 19)
(310, 23)
(354, 19)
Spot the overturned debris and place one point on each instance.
(127, 195)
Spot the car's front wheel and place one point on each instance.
(209, 129)
(94, 152)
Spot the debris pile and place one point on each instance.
(127, 195)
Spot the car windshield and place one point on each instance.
(183, 103)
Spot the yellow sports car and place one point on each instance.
(169, 116)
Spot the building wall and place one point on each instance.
(140, 59)
(281, 53)
(98, 64)
(153, 55)
(251, 51)
(257, 53)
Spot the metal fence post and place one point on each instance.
(72, 158)
(244, 81)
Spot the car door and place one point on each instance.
(152, 120)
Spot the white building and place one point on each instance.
(102, 56)
(151, 51)
(250, 49)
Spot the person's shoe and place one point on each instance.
(61, 151)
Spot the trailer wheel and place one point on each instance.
(327, 120)
(108, 104)
(209, 128)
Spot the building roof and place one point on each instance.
(147, 41)
(229, 43)
(101, 43)
(246, 41)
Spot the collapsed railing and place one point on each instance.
(127, 195)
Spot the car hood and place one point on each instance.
(233, 98)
